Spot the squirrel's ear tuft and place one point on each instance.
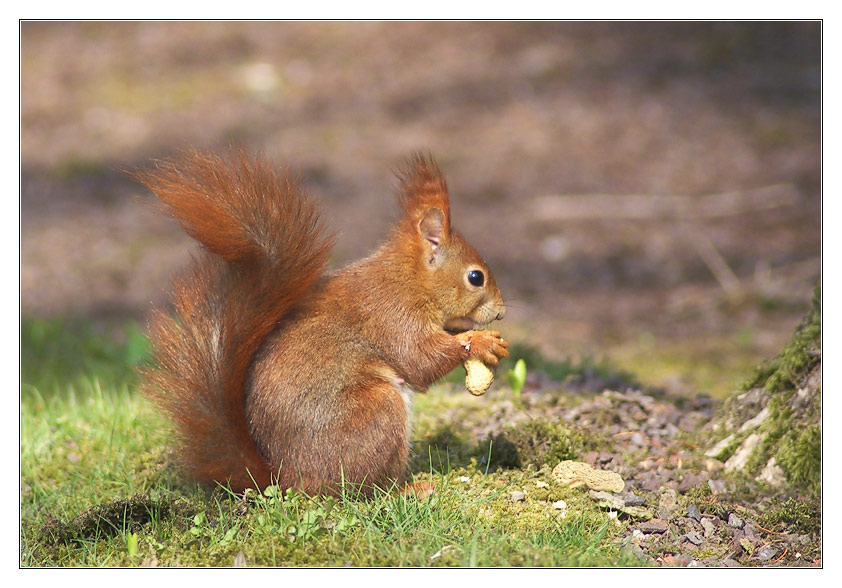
(422, 191)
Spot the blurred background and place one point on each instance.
(647, 194)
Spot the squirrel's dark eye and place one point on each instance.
(476, 278)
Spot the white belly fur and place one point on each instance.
(407, 392)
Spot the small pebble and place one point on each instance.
(607, 500)
(667, 503)
(632, 499)
(709, 527)
(692, 480)
(716, 486)
(767, 553)
(693, 512)
(747, 545)
(653, 526)
(735, 521)
(641, 554)
(559, 504)
(694, 538)
(605, 457)
(518, 496)
(804, 539)
(652, 482)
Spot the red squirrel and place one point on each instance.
(277, 371)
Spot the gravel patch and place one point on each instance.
(679, 506)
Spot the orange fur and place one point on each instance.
(275, 371)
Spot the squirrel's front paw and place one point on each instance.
(487, 346)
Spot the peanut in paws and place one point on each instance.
(478, 376)
(485, 349)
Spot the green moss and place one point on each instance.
(706, 501)
(796, 516)
(796, 449)
(799, 455)
(791, 431)
(537, 442)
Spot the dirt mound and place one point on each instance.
(111, 518)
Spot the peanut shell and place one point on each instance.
(478, 376)
(577, 473)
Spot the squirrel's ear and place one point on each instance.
(432, 229)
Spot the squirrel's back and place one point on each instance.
(265, 250)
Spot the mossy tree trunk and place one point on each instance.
(771, 430)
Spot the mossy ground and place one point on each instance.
(514, 446)
(99, 487)
(73, 518)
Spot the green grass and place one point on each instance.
(56, 354)
(99, 488)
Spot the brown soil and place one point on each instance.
(513, 111)
(113, 517)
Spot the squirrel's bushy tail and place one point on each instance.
(265, 249)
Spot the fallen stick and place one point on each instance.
(636, 206)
